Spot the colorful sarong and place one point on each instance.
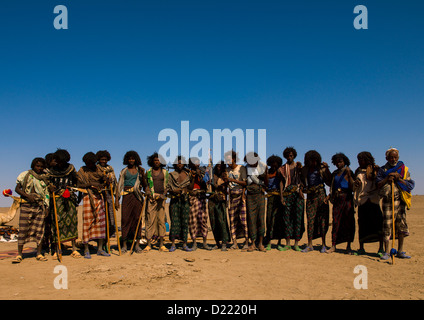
(198, 222)
(317, 213)
(31, 223)
(94, 221)
(67, 216)
(343, 229)
(294, 213)
(237, 214)
(179, 210)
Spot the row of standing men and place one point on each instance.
(258, 202)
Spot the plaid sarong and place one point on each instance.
(237, 214)
(31, 223)
(400, 217)
(198, 222)
(94, 221)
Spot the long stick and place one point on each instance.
(59, 253)
(116, 221)
(138, 224)
(107, 223)
(393, 218)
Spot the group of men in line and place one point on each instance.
(256, 201)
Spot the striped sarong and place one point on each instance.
(255, 207)
(237, 214)
(218, 220)
(343, 229)
(400, 217)
(294, 215)
(274, 218)
(179, 210)
(94, 221)
(198, 222)
(317, 213)
(31, 223)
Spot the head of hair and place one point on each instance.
(103, 154)
(132, 154)
(49, 157)
(287, 151)
(367, 157)
(179, 158)
(221, 166)
(274, 158)
(391, 150)
(251, 156)
(37, 160)
(342, 156)
(89, 158)
(62, 156)
(192, 162)
(312, 155)
(233, 154)
(151, 160)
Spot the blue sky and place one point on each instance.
(125, 70)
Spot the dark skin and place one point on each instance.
(96, 186)
(157, 168)
(252, 246)
(30, 197)
(182, 176)
(340, 164)
(59, 166)
(363, 164)
(232, 163)
(194, 172)
(393, 158)
(292, 165)
(272, 169)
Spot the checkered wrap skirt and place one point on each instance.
(94, 222)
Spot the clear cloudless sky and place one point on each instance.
(125, 70)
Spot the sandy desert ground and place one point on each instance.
(217, 275)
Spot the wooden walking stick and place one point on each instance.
(393, 251)
(138, 224)
(107, 222)
(59, 250)
(116, 221)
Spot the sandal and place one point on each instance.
(186, 248)
(163, 249)
(323, 249)
(360, 252)
(103, 253)
(286, 247)
(147, 249)
(17, 259)
(385, 256)
(87, 255)
(308, 249)
(402, 255)
(40, 257)
(172, 249)
(296, 248)
(75, 254)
